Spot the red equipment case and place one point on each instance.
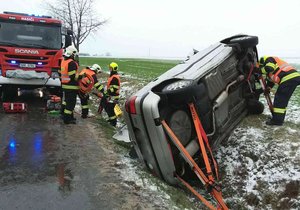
(53, 103)
(10, 107)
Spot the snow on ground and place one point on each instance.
(261, 164)
(293, 114)
(132, 174)
(160, 194)
(127, 89)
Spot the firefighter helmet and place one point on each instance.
(95, 67)
(70, 51)
(113, 66)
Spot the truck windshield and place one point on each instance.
(33, 35)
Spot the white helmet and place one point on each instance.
(69, 51)
(96, 68)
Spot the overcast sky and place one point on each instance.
(171, 28)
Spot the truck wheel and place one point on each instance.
(9, 92)
(55, 91)
(1, 92)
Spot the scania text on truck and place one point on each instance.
(31, 49)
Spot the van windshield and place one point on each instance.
(29, 34)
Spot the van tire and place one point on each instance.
(245, 41)
(255, 107)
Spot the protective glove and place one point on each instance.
(103, 102)
(270, 84)
(100, 95)
(259, 91)
(257, 70)
(267, 90)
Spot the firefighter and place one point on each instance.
(286, 77)
(69, 76)
(111, 93)
(87, 82)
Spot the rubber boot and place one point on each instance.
(68, 119)
(72, 117)
(84, 113)
(277, 119)
(272, 122)
(113, 122)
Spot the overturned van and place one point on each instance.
(217, 82)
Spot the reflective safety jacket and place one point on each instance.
(89, 81)
(69, 70)
(113, 87)
(277, 70)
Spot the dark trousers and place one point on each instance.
(282, 97)
(109, 108)
(84, 99)
(70, 102)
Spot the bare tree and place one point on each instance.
(78, 15)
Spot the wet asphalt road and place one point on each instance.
(45, 164)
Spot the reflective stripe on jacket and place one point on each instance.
(113, 86)
(282, 71)
(68, 76)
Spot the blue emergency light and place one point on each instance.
(12, 144)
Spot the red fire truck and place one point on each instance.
(31, 49)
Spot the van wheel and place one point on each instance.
(182, 95)
(255, 107)
(245, 41)
(181, 124)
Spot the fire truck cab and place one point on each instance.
(31, 49)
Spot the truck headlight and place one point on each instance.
(54, 75)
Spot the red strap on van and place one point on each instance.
(250, 72)
(202, 135)
(209, 184)
(206, 202)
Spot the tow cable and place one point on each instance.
(208, 180)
